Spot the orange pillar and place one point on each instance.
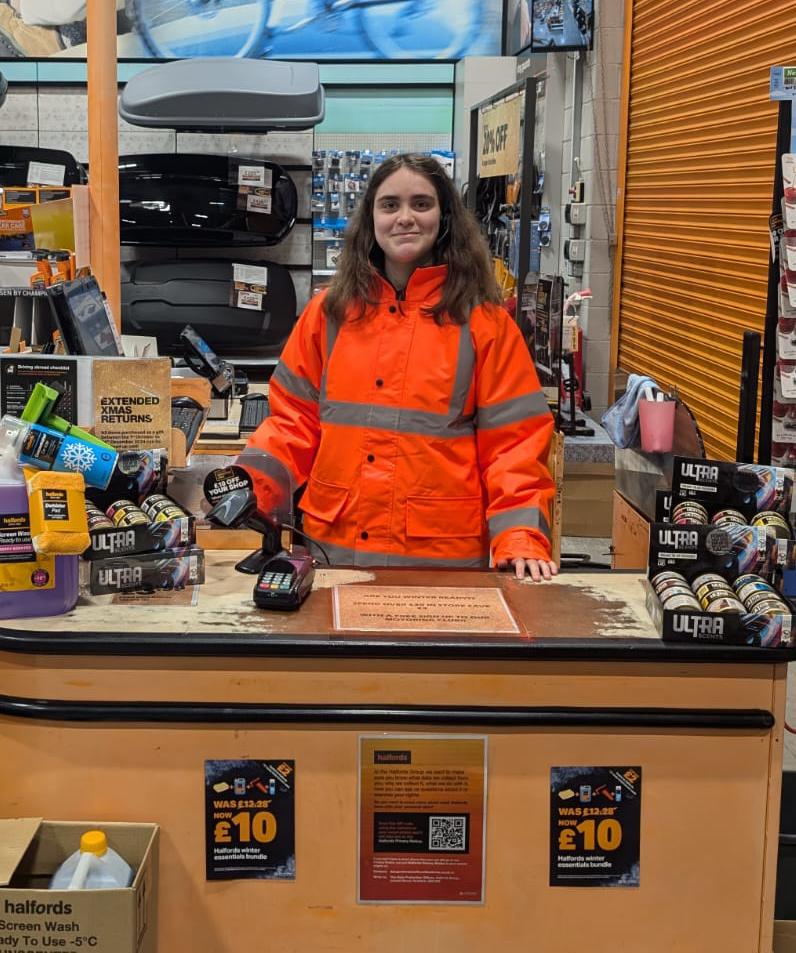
(103, 149)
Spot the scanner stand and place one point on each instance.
(284, 575)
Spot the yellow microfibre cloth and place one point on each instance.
(57, 502)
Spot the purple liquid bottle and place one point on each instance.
(20, 568)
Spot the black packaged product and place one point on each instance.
(145, 572)
(729, 550)
(747, 487)
(138, 473)
(142, 538)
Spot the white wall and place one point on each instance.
(599, 133)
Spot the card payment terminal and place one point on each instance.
(285, 581)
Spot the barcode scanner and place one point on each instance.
(284, 579)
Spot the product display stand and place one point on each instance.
(525, 166)
(772, 300)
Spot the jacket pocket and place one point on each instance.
(323, 501)
(444, 516)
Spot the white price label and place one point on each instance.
(250, 274)
(255, 175)
(259, 203)
(250, 300)
(46, 173)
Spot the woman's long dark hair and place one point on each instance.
(460, 246)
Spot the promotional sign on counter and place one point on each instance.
(422, 819)
(595, 826)
(250, 820)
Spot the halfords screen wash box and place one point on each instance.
(34, 919)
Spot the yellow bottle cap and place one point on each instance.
(94, 842)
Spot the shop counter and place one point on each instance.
(109, 713)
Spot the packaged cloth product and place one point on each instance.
(58, 522)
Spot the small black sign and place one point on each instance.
(223, 480)
(250, 820)
(20, 376)
(55, 505)
(595, 826)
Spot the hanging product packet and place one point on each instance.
(56, 501)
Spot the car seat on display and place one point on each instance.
(160, 297)
(198, 200)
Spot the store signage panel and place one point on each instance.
(499, 138)
(250, 820)
(595, 826)
(422, 818)
(421, 609)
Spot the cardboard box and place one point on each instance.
(785, 936)
(587, 499)
(105, 921)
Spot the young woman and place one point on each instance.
(405, 398)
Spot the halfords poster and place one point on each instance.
(279, 29)
(422, 815)
(595, 826)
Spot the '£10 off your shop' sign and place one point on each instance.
(499, 135)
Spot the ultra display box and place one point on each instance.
(730, 551)
(746, 487)
(727, 628)
(175, 533)
(147, 572)
(123, 920)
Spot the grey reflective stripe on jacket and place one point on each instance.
(342, 556)
(523, 517)
(454, 423)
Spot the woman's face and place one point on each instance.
(406, 218)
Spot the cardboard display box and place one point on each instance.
(785, 936)
(105, 921)
(729, 628)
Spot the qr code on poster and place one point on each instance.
(447, 833)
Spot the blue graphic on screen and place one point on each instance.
(316, 29)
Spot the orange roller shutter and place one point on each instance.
(699, 166)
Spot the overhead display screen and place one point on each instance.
(561, 25)
(279, 29)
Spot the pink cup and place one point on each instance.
(656, 419)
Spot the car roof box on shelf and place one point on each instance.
(225, 94)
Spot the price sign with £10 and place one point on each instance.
(250, 820)
(595, 826)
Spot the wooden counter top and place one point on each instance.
(587, 615)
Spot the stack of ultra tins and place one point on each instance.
(141, 540)
(723, 568)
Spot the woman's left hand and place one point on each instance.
(537, 569)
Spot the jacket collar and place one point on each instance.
(424, 286)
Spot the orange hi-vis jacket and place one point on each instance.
(419, 444)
